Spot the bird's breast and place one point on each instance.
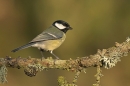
(49, 44)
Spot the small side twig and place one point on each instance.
(98, 76)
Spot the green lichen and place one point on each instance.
(63, 82)
(3, 74)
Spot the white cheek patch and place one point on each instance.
(60, 26)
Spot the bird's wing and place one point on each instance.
(47, 36)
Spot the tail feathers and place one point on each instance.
(23, 47)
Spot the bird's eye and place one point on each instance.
(65, 24)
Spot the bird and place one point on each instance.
(50, 39)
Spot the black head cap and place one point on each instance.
(62, 25)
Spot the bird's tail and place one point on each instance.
(23, 47)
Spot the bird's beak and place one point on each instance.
(70, 28)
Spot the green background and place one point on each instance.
(97, 24)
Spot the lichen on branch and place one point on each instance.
(103, 58)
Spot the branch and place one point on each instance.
(103, 58)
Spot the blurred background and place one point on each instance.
(97, 24)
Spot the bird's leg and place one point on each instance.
(41, 50)
(54, 54)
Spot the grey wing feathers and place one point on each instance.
(46, 36)
(52, 33)
(23, 47)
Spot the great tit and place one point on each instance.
(49, 39)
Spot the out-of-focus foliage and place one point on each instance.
(97, 24)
